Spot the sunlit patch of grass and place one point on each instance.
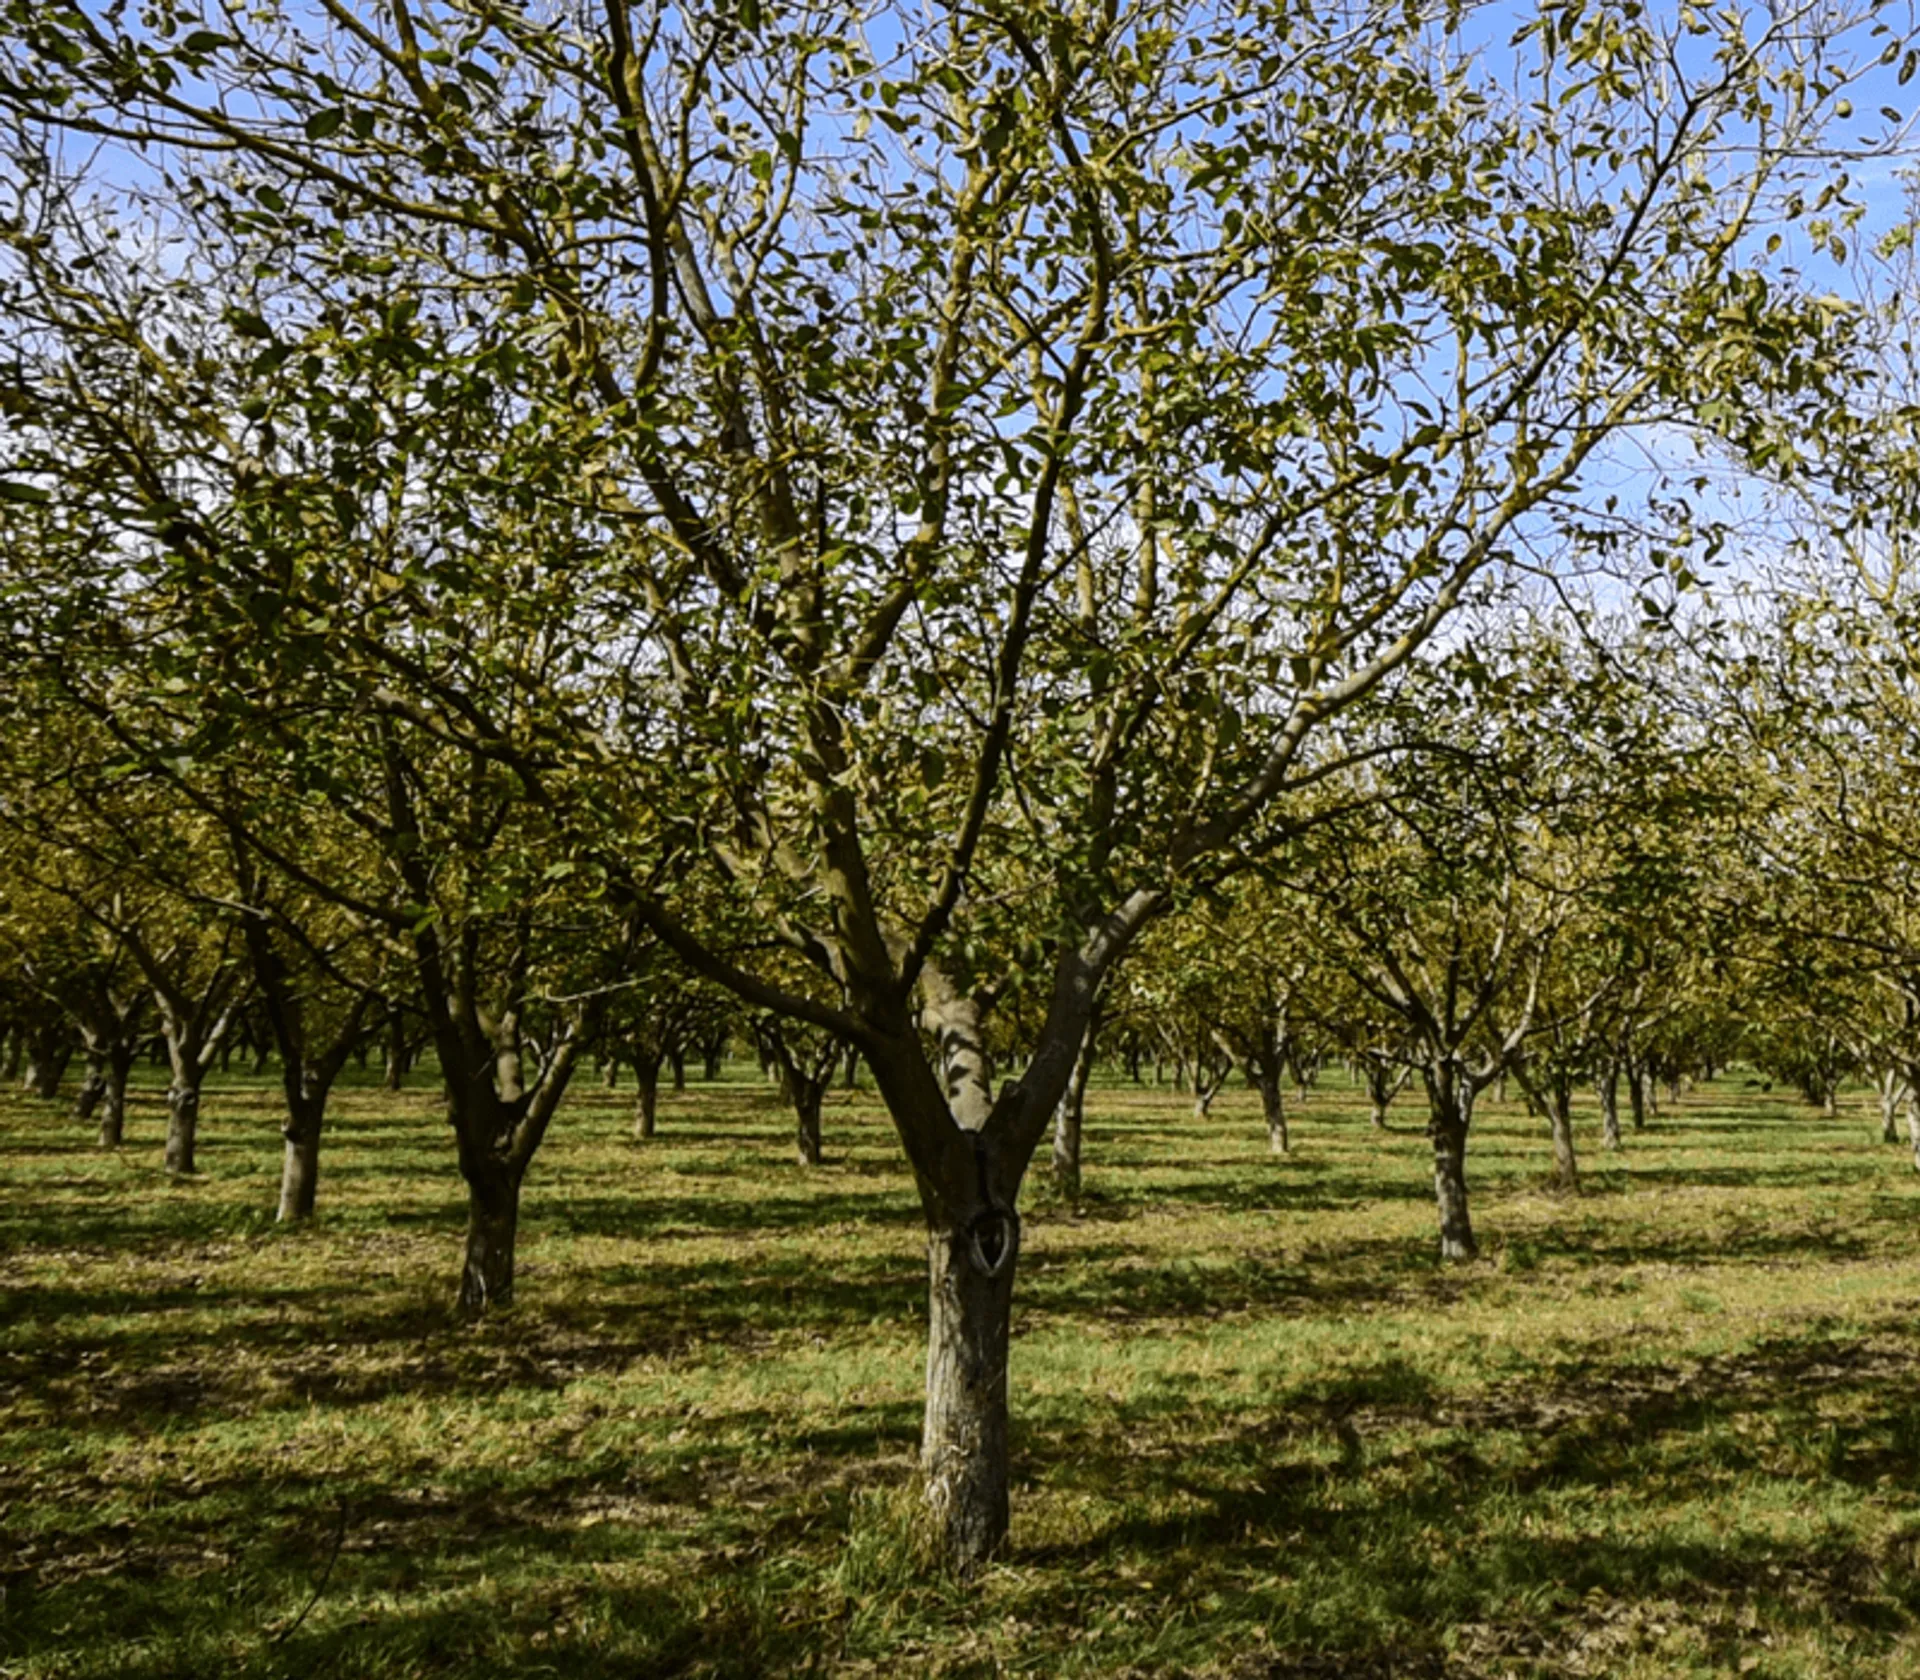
(1669, 1426)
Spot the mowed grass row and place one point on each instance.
(1669, 1427)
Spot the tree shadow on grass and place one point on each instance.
(1372, 1517)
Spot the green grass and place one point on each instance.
(1671, 1427)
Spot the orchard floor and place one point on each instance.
(1669, 1427)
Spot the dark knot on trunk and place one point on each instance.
(993, 1238)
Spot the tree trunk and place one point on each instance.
(1609, 1087)
(964, 1450)
(850, 1069)
(300, 1159)
(1637, 1095)
(1380, 1093)
(1066, 1147)
(87, 1099)
(646, 1102)
(1447, 1131)
(711, 1056)
(1273, 1107)
(1890, 1087)
(493, 1218)
(1566, 1169)
(1913, 1124)
(113, 1112)
(48, 1054)
(677, 1060)
(1069, 1119)
(183, 1121)
(396, 1051)
(807, 1093)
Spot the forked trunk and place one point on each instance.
(964, 1448)
(493, 1218)
(1566, 1169)
(1380, 1094)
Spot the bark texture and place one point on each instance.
(646, 1098)
(493, 1218)
(806, 1096)
(964, 1445)
(1609, 1084)
(183, 1121)
(1273, 1108)
(1566, 1167)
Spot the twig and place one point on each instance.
(326, 1575)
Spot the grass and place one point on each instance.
(1669, 1428)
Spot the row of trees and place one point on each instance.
(888, 512)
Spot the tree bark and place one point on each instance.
(1566, 1168)
(493, 1218)
(1609, 1087)
(1272, 1106)
(1637, 1094)
(49, 1050)
(646, 1102)
(183, 1119)
(396, 1056)
(1381, 1090)
(807, 1094)
(677, 1060)
(113, 1110)
(300, 1158)
(1890, 1087)
(86, 1101)
(1448, 1119)
(1066, 1147)
(1069, 1117)
(964, 1442)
